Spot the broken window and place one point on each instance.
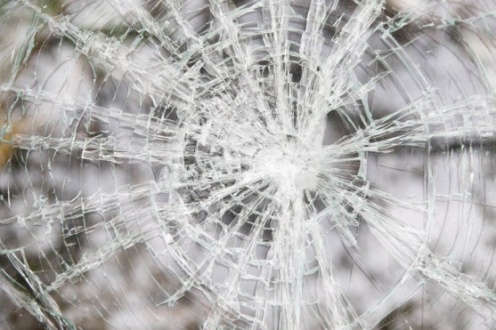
(262, 164)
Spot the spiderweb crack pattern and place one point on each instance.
(267, 164)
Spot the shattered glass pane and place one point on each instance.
(258, 164)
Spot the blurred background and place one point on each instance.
(109, 111)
